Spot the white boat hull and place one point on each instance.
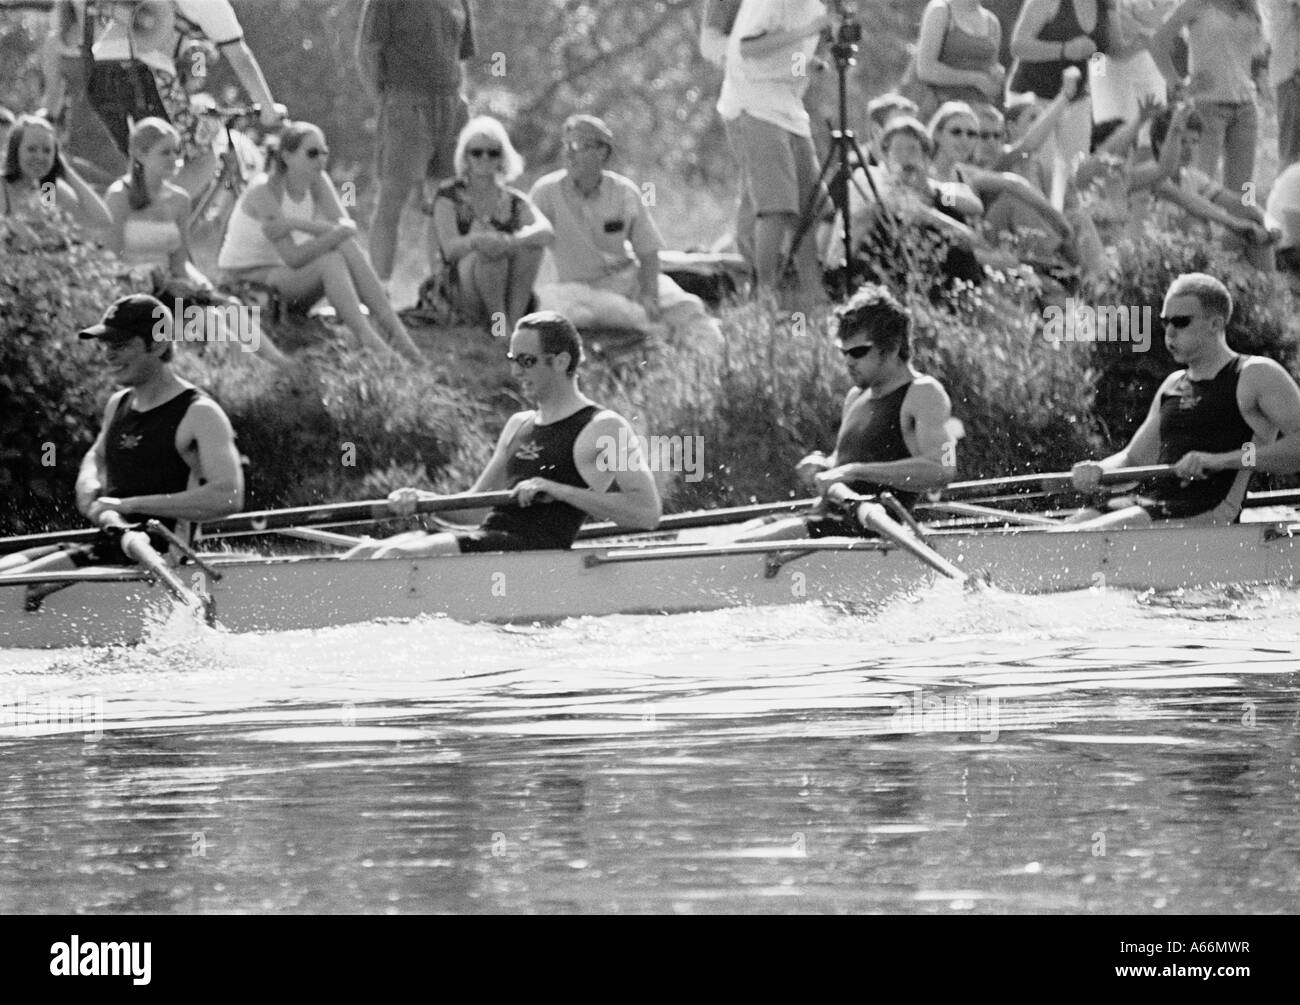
(283, 594)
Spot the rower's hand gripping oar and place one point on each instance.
(136, 546)
(873, 517)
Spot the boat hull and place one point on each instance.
(284, 594)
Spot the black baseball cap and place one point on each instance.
(136, 316)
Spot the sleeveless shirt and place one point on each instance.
(872, 433)
(140, 449)
(1202, 415)
(544, 451)
(1044, 78)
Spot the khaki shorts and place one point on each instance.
(778, 169)
(417, 135)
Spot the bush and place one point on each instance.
(51, 397)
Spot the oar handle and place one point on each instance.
(353, 512)
(873, 517)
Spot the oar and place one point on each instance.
(873, 517)
(343, 513)
(702, 518)
(1050, 482)
(136, 546)
(990, 513)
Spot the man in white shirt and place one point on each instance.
(768, 61)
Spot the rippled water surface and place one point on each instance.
(1091, 752)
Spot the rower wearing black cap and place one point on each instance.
(165, 450)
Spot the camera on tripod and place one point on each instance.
(849, 31)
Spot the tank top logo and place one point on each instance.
(128, 441)
(529, 451)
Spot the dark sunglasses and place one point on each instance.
(858, 351)
(991, 135)
(971, 133)
(1178, 321)
(316, 152)
(526, 360)
(493, 152)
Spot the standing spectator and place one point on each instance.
(1049, 36)
(957, 52)
(1225, 49)
(607, 245)
(489, 234)
(768, 62)
(1129, 74)
(410, 53)
(1282, 25)
(151, 34)
(715, 29)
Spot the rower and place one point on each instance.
(165, 449)
(562, 461)
(896, 428)
(1216, 421)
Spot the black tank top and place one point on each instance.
(1044, 78)
(872, 433)
(544, 451)
(140, 449)
(1201, 415)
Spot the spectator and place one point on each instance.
(715, 29)
(1175, 138)
(768, 59)
(490, 237)
(1129, 74)
(1284, 207)
(37, 177)
(410, 56)
(880, 111)
(7, 120)
(957, 52)
(150, 34)
(1225, 49)
(290, 232)
(607, 245)
(1049, 36)
(1282, 29)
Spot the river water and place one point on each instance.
(1096, 752)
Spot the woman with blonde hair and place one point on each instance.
(489, 235)
(289, 231)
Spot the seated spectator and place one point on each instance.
(37, 177)
(289, 231)
(607, 245)
(932, 213)
(489, 236)
(955, 136)
(880, 111)
(1175, 137)
(957, 52)
(1284, 206)
(151, 222)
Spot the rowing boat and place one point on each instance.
(101, 606)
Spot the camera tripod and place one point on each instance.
(839, 159)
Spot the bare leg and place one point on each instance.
(412, 544)
(1129, 516)
(491, 278)
(331, 272)
(524, 264)
(786, 528)
(371, 292)
(393, 193)
(50, 558)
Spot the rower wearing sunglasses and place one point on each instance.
(563, 461)
(896, 431)
(1216, 421)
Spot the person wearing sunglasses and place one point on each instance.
(607, 246)
(289, 231)
(1216, 421)
(489, 236)
(558, 460)
(896, 430)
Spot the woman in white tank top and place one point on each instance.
(290, 231)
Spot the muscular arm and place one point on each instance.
(91, 475)
(1271, 392)
(636, 503)
(205, 426)
(1144, 447)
